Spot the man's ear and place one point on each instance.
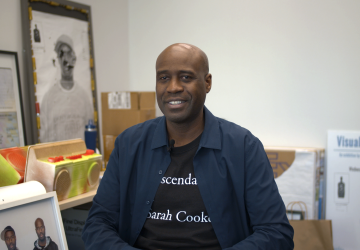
(208, 82)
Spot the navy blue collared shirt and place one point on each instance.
(234, 177)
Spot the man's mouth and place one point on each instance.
(176, 102)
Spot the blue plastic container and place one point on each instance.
(90, 135)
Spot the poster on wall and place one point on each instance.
(343, 185)
(62, 69)
(11, 118)
(63, 90)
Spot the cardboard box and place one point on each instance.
(298, 173)
(109, 141)
(121, 110)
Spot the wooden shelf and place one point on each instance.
(77, 200)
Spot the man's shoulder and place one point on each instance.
(35, 248)
(52, 90)
(52, 243)
(231, 128)
(236, 136)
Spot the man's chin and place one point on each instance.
(180, 117)
(11, 247)
(175, 118)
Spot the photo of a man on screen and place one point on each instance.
(43, 242)
(8, 235)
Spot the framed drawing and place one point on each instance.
(61, 69)
(12, 132)
(32, 222)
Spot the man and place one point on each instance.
(43, 241)
(8, 235)
(65, 108)
(187, 180)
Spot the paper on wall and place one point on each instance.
(7, 96)
(298, 182)
(119, 100)
(297, 175)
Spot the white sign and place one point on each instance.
(343, 186)
(119, 100)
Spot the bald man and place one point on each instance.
(43, 241)
(187, 180)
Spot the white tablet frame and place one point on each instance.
(14, 210)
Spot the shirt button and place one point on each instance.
(147, 202)
(160, 172)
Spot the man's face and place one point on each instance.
(67, 60)
(10, 240)
(181, 84)
(40, 230)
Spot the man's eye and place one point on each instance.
(186, 77)
(162, 77)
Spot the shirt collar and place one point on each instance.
(211, 136)
(160, 134)
(209, 139)
(48, 239)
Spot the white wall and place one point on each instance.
(286, 70)
(10, 28)
(11, 34)
(111, 42)
(111, 47)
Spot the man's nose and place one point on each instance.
(175, 86)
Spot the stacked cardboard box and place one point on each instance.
(121, 110)
(299, 175)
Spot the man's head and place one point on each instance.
(182, 82)
(8, 235)
(40, 229)
(66, 56)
